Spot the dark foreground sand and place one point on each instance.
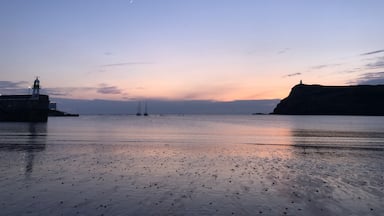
(178, 179)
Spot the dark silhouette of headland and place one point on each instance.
(333, 100)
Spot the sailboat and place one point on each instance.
(145, 109)
(139, 109)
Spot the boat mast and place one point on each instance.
(145, 109)
(139, 109)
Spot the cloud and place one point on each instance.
(318, 67)
(9, 88)
(292, 75)
(105, 89)
(12, 85)
(204, 91)
(379, 63)
(283, 51)
(126, 64)
(373, 52)
(375, 78)
(71, 91)
(68, 91)
(57, 91)
(65, 91)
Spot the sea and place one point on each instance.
(193, 165)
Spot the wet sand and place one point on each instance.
(182, 179)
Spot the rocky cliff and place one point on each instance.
(333, 100)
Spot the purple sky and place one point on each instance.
(197, 49)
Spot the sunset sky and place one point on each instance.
(188, 49)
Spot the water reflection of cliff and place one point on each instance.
(342, 140)
(25, 138)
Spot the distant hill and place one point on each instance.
(333, 100)
(91, 107)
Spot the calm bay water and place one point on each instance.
(193, 165)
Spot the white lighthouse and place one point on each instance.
(36, 88)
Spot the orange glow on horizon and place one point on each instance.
(174, 82)
(174, 89)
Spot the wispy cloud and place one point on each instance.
(106, 89)
(283, 51)
(13, 85)
(8, 87)
(374, 78)
(292, 75)
(58, 91)
(318, 67)
(102, 88)
(208, 91)
(126, 64)
(373, 52)
(379, 63)
(66, 91)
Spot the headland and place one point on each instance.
(333, 100)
